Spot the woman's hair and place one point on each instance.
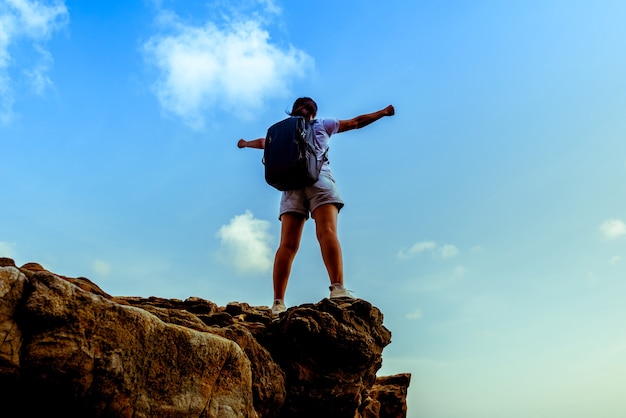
(304, 106)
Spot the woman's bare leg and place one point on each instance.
(292, 225)
(326, 230)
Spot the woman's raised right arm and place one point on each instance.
(364, 120)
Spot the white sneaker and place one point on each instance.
(278, 307)
(338, 291)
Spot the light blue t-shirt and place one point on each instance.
(324, 128)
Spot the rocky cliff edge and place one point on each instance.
(67, 348)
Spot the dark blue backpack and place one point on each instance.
(289, 156)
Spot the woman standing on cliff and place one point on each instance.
(321, 200)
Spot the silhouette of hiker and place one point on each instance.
(321, 199)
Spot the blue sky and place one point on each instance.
(486, 219)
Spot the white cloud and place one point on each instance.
(444, 251)
(34, 21)
(6, 99)
(415, 315)
(38, 75)
(234, 66)
(477, 249)
(270, 6)
(246, 244)
(613, 228)
(37, 19)
(460, 271)
(101, 268)
(7, 250)
(417, 248)
(449, 251)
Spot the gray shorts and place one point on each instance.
(305, 201)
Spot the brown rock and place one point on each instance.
(78, 351)
(268, 380)
(330, 352)
(391, 393)
(82, 354)
(6, 262)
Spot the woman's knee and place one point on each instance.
(326, 232)
(289, 247)
(291, 232)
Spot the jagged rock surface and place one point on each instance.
(69, 348)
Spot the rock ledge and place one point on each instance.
(69, 348)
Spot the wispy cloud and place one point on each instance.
(231, 64)
(34, 22)
(448, 251)
(443, 251)
(246, 244)
(613, 228)
(38, 75)
(460, 271)
(417, 248)
(101, 268)
(414, 315)
(7, 249)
